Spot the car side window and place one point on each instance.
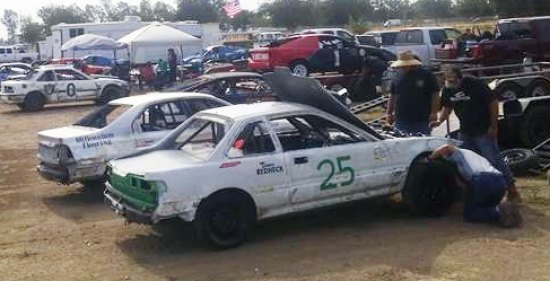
(48, 76)
(254, 139)
(195, 105)
(9, 50)
(437, 36)
(152, 119)
(311, 131)
(2, 51)
(409, 37)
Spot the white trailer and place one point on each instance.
(209, 33)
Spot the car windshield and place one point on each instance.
(103, 116)
(201, 136)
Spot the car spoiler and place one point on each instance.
(310, 92)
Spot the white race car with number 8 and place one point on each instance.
(227, 167)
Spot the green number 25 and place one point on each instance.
(327, 184)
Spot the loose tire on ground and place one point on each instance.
(34, 101)
(299, 68)
(539, 88)
(520, 161)
(431, 188)
(535, 127)
(222, 220)
(109, 93)
(509, 91)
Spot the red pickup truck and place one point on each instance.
(515, 38)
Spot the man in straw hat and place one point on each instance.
(414, 97)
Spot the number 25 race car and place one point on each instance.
(227, 167)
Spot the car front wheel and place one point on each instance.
(431, 187)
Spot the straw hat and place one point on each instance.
(406, 59)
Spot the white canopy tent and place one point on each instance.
(150, 43)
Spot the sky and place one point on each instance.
(30, 7)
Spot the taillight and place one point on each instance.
(260, 56)
(476, 52)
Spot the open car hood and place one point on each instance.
(310, 92)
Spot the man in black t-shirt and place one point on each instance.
(414, 97)
(476, 106)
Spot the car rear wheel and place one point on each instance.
(34, 102)
(109, 93)
(539, 88)
(300, 69)
(430, 188)
(223, 220)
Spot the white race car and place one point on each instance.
(80, 152)
(227, 167)
(58, 84)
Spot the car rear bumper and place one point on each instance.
(67, 174)
(123, 208)
(11, 98)
(259, 65)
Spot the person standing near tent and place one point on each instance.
(173, 64)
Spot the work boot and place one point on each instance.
(509, 215)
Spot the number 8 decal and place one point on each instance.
(71, 90)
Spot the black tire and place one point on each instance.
(519, 160)
(34, 101)
(300, 68)
(539, 88)
(109, 93)
(431, 188)
(223, 220)
(509, 91)
(535, 127)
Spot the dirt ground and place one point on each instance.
(52, 232)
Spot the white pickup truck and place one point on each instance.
(16, 54)
(422, 41)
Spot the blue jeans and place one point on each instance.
(488, 148)
(413, 128)
(482, 197)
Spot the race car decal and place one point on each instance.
(327, 184)
(268, 168)
(96, 141)
(49, 89)
(71, 90)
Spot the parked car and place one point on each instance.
(80, 152)
(515, 39)
(14, 70)
(340, 32)
(218, 53)
(234, 87)
(98, 60)
(225, 168)
(59, 84)
(16, 53)
(80, 65)
(422, 41)
(305, 54)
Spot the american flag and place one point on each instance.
(232, 8)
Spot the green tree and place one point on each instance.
(200, 10)
(291, 13)
(95, 13)
(512, 8)
(242, 20)
(31, 32)
(474, 8)
(433, 8)
(55, 14)
(146, 12)
(393, 9)
(10, 19)
(338, 12)
(117, 12)
(164, 12)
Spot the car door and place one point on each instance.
(47, 84)
(260, 164)
(327, 162)
(156, 121)
(351, 56)
(73, 86)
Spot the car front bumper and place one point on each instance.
(12, 98)
(123, 208)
